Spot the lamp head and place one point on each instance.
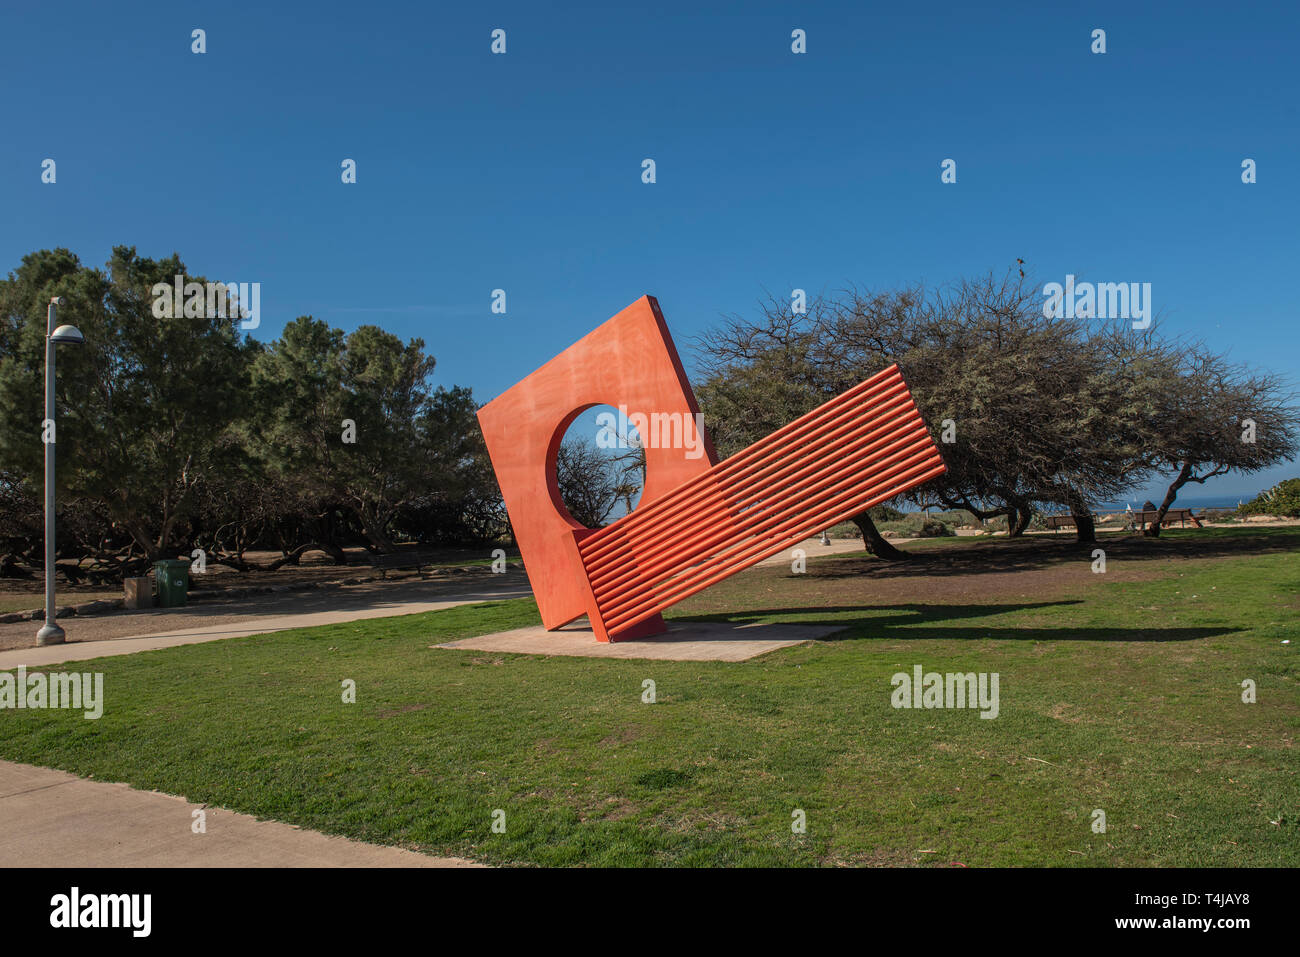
(70, 334)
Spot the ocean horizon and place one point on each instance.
(1190, 501)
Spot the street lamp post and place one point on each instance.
(51, 633)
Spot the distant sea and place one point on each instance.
(1187, 501)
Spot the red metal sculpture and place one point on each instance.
(698, 521)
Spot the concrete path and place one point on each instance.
(54, 819)
(145, 631)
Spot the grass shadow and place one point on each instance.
(904, 621)
(1009, 556)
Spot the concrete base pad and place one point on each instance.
(684, 641)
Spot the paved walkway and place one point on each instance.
(123, 634)
(813, 548)
(55, 819)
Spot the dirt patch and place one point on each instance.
(880, 857)
(405, 709)
(1065, 712)
(693, 821)
(621, 736)
(983, 572)
(616, 809)
(315, 569)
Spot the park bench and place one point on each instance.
(1055, 522)
(1182, 515)
(403, 558)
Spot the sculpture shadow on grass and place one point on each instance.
(1007, 556)
(907, 622)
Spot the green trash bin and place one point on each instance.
(173, 577)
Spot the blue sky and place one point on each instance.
(774, 170)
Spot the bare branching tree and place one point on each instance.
(1028, 409)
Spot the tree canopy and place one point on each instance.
(179, 430)
(1028, 410)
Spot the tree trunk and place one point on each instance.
(240, 564)
(876, 543)
(374, 521)
(381, 543)
(321, 527)
(10, 569)
(141, 537)
(1082, 515)
(1153, 528)
(1007, 510)
(1023, 516)
(334, 551)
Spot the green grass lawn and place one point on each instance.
(1120, 694)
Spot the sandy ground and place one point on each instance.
(315, 568)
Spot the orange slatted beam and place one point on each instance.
(757, 548)
(765, 473)
(757, 553)
(782, 439)
(720, 538)
(766, 451)
(654, 543)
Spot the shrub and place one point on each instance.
(933, 528)
(883, 513)
(1282, 499)
(918, 525)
